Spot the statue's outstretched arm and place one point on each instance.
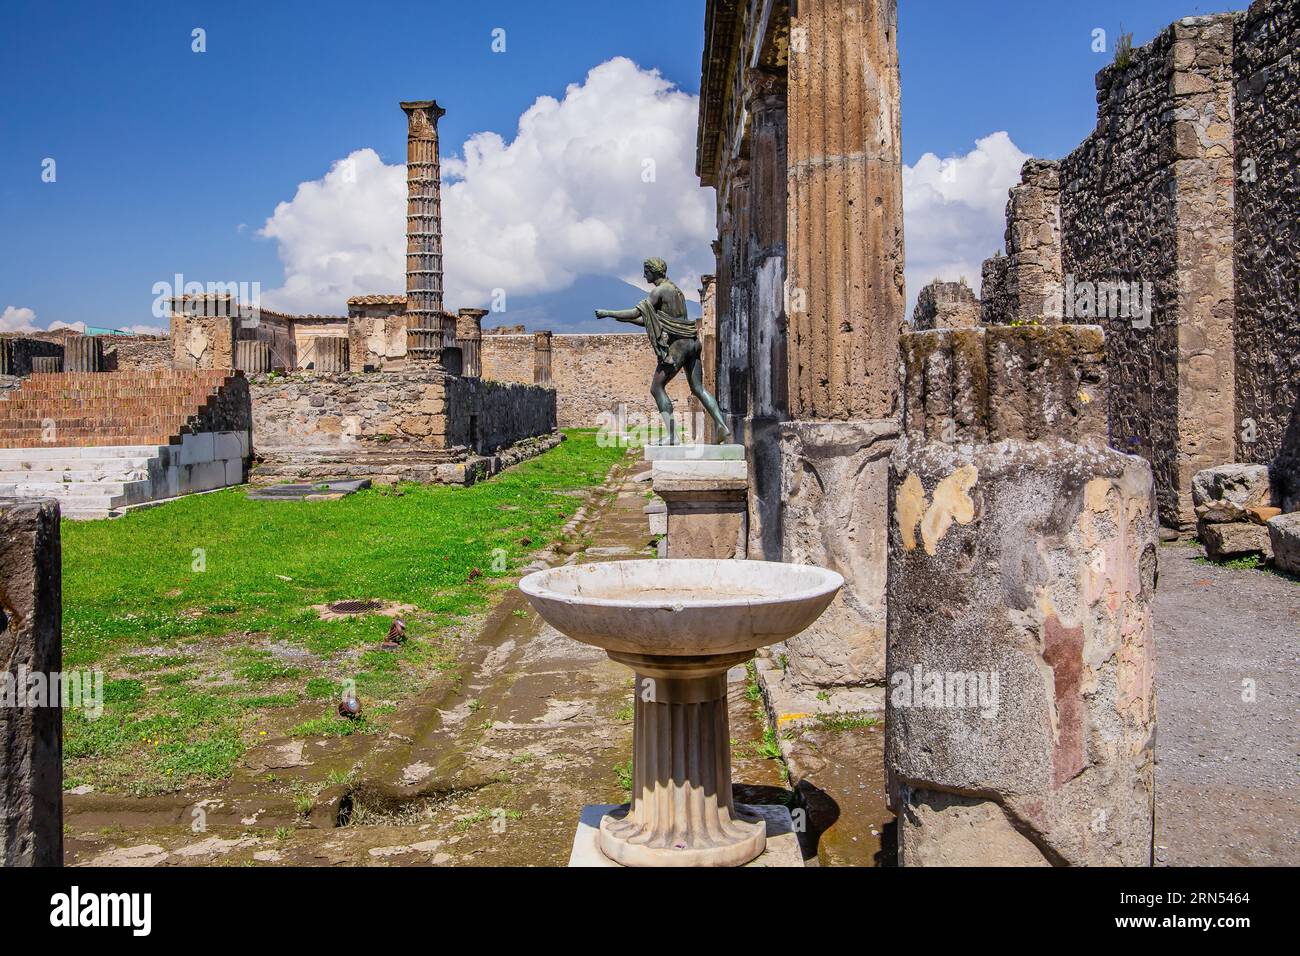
(623, 315)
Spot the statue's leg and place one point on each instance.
(695, 375)
(663, 375)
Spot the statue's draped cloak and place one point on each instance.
(663, 328)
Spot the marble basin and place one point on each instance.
(681, 624)
(683, 607)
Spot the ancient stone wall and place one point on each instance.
(17, 352)
(1267, 332)
(143, 352)
(1033, 243)
(995, 303)
(351, 409)
(593, 375)
(486, 416)
(31, 642)
(391, 410)
(1143, 204)
(946, 305)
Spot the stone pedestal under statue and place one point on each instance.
(705, 491)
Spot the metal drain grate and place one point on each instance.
(355, 607)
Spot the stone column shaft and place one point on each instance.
(542, 359)
(31, 643)
(252, 357)
(423, 232)
(469, 336)
(331, 353)
(845, 210)
(83, 353)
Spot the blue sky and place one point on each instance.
(172, 161)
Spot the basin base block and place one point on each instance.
(682, 812)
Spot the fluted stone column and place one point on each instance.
(331, 353)
(47, 363)
(83, 353)
(252, 357)
(845, 305)
(542, 359)
(424, 316)
(733, 320)
(469, 336)
(682, 812)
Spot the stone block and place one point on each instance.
(707, 507)
(782, 842)
(31, 642)
(1284, 532)
(694, 452)
(197, 449)
(1220, 512)
(1225, 541)
(226, 445)
(834, 500)
(1243, 485)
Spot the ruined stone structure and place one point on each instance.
(1174, 225)
(946, 305)
(1023, 288)
(599, 380)
(807, 315)
(1020, 717)
(1266, 283)
(469, 339)
(31, 643)
(17, 353)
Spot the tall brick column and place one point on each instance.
(1035, 280)
(542, 359)
(1020, 721)
(469, 336)
(424, 318)
(845, 295)
(31, 642)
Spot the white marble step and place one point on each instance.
(55, 452)
(129, 491)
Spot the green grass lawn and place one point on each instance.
(200, 612)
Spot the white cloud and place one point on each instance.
(955, 211)
(566, 197)
(17, 319)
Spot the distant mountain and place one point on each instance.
(570, 310)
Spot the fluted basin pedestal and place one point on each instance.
(681, 813)
(681, 625)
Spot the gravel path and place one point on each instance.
(1227, 784)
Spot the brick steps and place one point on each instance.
(154, 407)
(119, 439)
